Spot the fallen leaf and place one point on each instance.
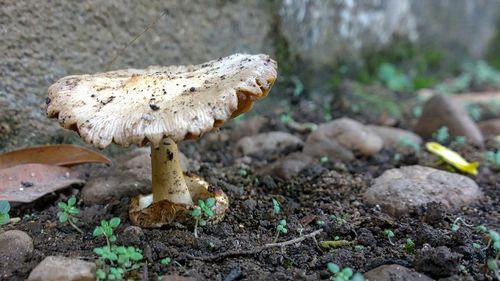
(28, 182)
(59, 154)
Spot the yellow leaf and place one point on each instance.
(452, 158)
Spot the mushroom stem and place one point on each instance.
(168, 178)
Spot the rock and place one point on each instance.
(394, 272)
(247, 127)
(398, 191)
(250, 205)
(60, 268)
(287, 167)
(443, 110)
(131, 176)
(15, 246)
(267, 142)
(340, 139)
(395, 138)
(437, 262)
(307, 27)
(29, 66)
(490, 127)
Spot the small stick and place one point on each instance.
(135, 38)
(255, 250)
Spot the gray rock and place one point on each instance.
(340, 139)
(15, 246)
(443, 110)
(287, 167)
(247, 127)
(321, 32)
(437, 262)
(395, 138)
(267, 142)
(399, 190)
(394, 272)
(82, 37)
(131, 176)
(58, 268)
(490, 127)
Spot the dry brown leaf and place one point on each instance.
(58, 154)
(28, 182)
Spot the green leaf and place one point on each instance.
(63, 217)
(201, 204)
(99, 251)
(97, 231)
(121, 250)
(4, 218)
(114, 222)
(203, 222)
(4, 206)
(347, 272)
(496, 246)
(492, 264)
(104, 224)
(100, 274)
(196, 212)
(166, 260)
(494, 235)
(209, 213)
(73, 211)
(62, 205)
(112, 238)
(136, 256)
(333, 268)
(210, 202)
(72, 201)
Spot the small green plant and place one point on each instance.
(389, 234)
(323, 159)
(475, 111)
(202, 213)
(455, 226)
(276, 207)
(459, 140)
(409, 246)
(406, 141)
(166, 261)
(106, 229)
(393, 79)
(115, 261)
(4, 212)
(340, 219)
(243, 173)
(494, 263)
(493, 158)
(280, 229)
(67, 213)
(344, 274)
(441, 135)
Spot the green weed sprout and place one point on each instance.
(493, 263)
(67, 213)
(203, 211)
(493, 158)
(116, 261)
(280, 229)
(409, 246)
(4, 212)
(442, 134)
(106, 229)
(406, 141)
(389, 234)
(344, 274)
(166, 261)
(276, 207)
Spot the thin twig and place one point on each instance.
(255, 250)
(135, 38)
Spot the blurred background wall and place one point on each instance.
(41, 41)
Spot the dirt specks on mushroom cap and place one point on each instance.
(136, 106)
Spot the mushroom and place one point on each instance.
(162, 106)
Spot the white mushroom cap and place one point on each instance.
(134, 106)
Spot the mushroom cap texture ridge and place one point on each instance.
(137, 106)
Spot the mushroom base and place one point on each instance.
(145, 213)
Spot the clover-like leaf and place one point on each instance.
(114, 222)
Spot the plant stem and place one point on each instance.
(74, 226)
(168, 178)
(196, 228)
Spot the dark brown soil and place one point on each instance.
(311, 201)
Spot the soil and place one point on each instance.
(325, 196)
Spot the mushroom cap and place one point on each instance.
(137, 106)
